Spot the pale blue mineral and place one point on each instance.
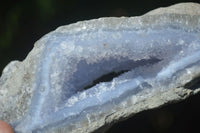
(91, 67)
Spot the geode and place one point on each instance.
(86, 75)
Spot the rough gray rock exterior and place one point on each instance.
(16, 82)
(16, 86)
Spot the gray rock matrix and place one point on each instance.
(17, 84)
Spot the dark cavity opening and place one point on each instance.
(111, 75)
(105, 78)
(193, 84)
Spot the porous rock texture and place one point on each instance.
(16, 85)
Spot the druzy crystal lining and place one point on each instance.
(70, 64)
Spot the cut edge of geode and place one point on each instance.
(155, 17)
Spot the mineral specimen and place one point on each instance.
(84, 75)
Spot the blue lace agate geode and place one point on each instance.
(137, 55)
